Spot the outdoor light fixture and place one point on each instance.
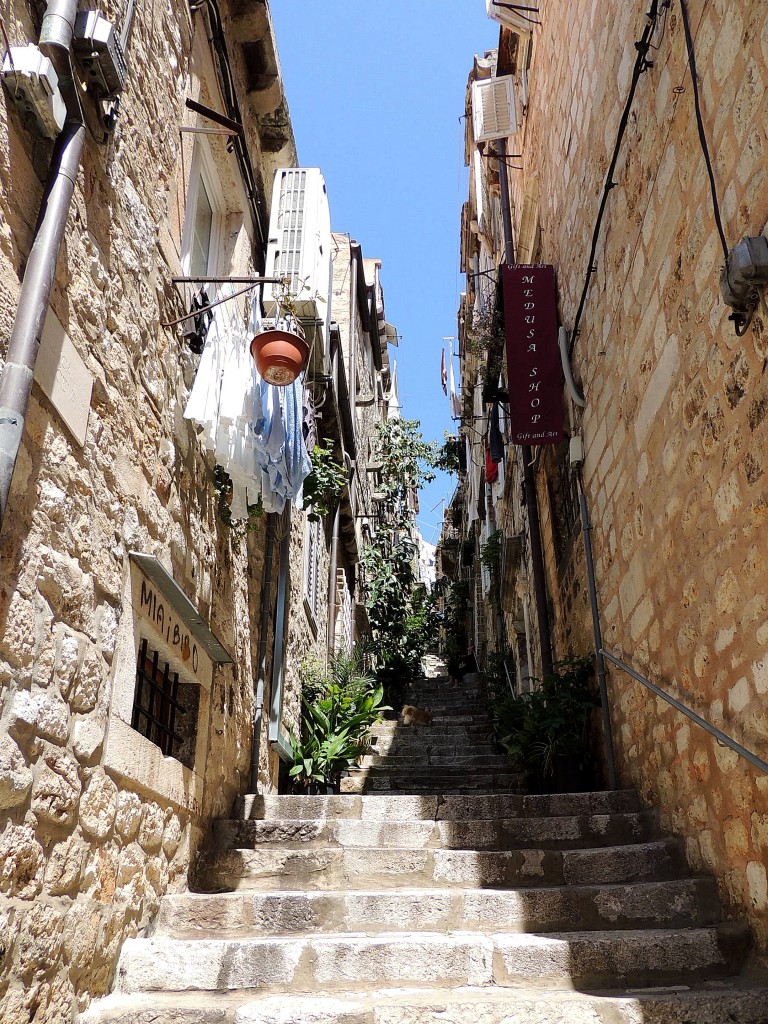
(745, 272)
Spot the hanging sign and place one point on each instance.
(534, 371)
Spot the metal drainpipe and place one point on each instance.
(263, 636)
(35, 293)
(529, 478)
(352, 375)
(586, 528)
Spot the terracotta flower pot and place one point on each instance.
(281, 352)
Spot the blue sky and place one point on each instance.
(376, 91)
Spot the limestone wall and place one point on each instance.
(95, 825)
(675, 425)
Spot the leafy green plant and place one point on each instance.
(550, 722)
(402, 616)
(325, 484)
(447, 456)
(490, 556)
(456, 638)
(338, 710)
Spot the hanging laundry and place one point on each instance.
(443, 372)
(253, 429)
(475, 457)
(495, 438)
(491, 469)
(455, 400)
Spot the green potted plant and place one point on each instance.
(280, 349)
(546, 731)
(338, 710)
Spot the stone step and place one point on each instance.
(680, 903)
(472, 762)
(429, 781)
(439, 808)
(730, 1001)
(563, 832)
(294, 868)
(459, 732)
(473, 705)
(400, 746)
(599, 959)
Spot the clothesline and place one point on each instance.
(254, 429)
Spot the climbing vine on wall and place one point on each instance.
(401, 613)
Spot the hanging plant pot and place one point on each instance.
(281, 352)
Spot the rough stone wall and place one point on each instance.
(675, 425)
(86, 853)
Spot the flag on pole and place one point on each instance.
(443, 374)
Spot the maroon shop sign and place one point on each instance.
(534, 372)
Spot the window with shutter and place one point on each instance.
(312, 572)
(494, 111)
(519, 17)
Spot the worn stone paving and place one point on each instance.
(467, 902)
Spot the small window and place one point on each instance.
(204, 216)
(164, 709)
(202, 229)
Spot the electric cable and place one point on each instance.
(233, 112)
(641, 65)
(700, 125)
(8, 48)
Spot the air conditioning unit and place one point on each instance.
(520, 17)
(299, 246)
(494, 110)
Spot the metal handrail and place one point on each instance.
(711, 729)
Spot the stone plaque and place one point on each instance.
(64, 377)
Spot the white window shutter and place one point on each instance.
(494, 111)
(519, 17)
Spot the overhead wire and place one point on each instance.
(700, 125)
(233, 112)
(8, 47)
(640, 66)
(662, 149)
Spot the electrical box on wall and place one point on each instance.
(33, 85)
(98, 52)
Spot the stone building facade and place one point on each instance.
(674, 424)
(114, 536)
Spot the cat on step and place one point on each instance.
(416, 716)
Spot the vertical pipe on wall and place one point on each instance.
(35, 293)
(586, 529)
(258, 709)
(281, 613)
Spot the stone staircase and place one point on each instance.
(452, 755)
(436, 894)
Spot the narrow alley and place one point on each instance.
(383, 509)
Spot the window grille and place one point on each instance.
(155, 701)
